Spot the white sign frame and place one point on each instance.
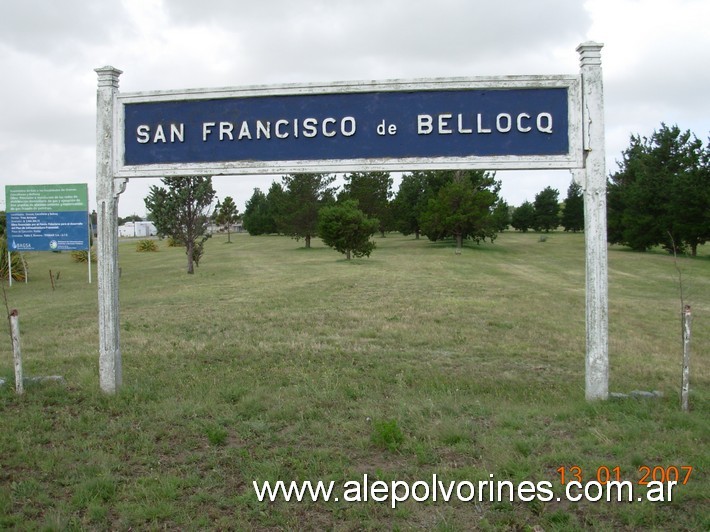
(573, 159)
(587, 164)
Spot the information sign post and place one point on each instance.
(47, 218)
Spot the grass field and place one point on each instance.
(274, 362)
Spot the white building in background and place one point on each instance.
(137, 229)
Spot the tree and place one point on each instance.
(304, 196)
(409, 203)
(256, 217)
(181, 211)
(275, 198)
(372, 191)
(501, 215)
(227, 214)
(547, 210)
(347, 229)
(661, 193)
(462, 208)
(573, 213)
(262, 213)
(523, 217)
(690, 203)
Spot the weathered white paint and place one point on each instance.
(107, 191)
(508, 162)
(595, 234)
(685, 382)
(16, 351)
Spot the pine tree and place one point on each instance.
(523, 217)
(661, 193)
(227, 214)
(547, 210)
(347, 229)
(304, 196)
(573, 213)
(462, 208)
(181, 211)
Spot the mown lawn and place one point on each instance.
(274, 362)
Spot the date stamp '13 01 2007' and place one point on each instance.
(605, 474)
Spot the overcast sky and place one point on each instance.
(656, 61)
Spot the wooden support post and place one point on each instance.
(16, 352)
(685, 384)
(597, 358)
(107, 192)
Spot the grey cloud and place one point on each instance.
(58, 28)
(328, 35)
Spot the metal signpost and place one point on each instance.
(512, 122)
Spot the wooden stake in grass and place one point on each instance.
(686, 319)
(16, 353)
(685, 384)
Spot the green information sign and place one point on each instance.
(45, 198)
(47, 217)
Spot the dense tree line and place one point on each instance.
(438, 204)
(660, 196)
(546, 213)
(458, 204)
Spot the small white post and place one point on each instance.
(110, 374)
(685, 384)
(597, 357)
(91, 233)
(16, 352)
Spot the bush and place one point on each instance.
(146, 245)
(347, 229)
(83, 255)
(387, 434)
(174, 242)
(18, 268)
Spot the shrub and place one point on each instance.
(216, 435)
(387, 434)
(174, 242)
(146, 245)
(18, 264)
(83, 255)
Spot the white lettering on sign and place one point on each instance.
(281, 129)
(544, 122)
(479, 124)
(441, 124)
(448, 123)
(444, 128)
(143, 134)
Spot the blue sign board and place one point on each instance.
(522, 122)
(454, 123)
(47, 217)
